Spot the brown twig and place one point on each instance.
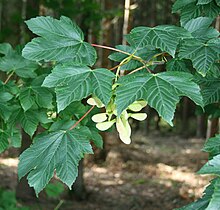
(8, 78)
(82, 117)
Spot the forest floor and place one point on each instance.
(153, 173)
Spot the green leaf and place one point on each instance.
(200, 28)
(212, 146)
(198, 23)
(76, 108)
(3, 141)
(177, 64)
(43, 97)
(43, 117)
(61, 151)
(5, 96)
(26, 98)
(217, 2)
(6, 48)
(15, 138)
(29, 121)
(73, 83)
(60, 40)
(211, 167)
(203, 2)
(202, 55)
(22, 67)
(164, 37)
(5, 111)
(210, 89)
(214, 203)
(61, 125)
(179, 4)
(162, 91)
(211, 10)
(96, 137)
(193, 11)
(33, 95)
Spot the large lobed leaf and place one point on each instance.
(35, 95)
(162, 91)
(22, 67)
(200, 29)
(191, 10)
(59, 150)
(177, 64)
(75, 82)
(210, 89)
(60, 40)
(164, 37)
(179, 4)
(202, 55)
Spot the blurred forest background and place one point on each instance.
(157, 170)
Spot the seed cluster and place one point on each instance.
(107, 119)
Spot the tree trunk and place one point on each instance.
(23, 191)
(78, 191)
(212, 128)
(201, 126)
(185, 116)
(126, 20)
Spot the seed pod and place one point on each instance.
(101, 117)
(103, 126)
(125, 139)
(139, 116)
(124, 130)
(137, 105)
(94, 101)
(143, 103)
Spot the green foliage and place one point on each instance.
(203, 50)
(8, 201)
(4, 140)
(61, 40)
(212, 146)
(200, 28)
(145, 53)
(75, 82)
(14, 62)
(177, 64)
(195, 8)
(161, 91)
(210, 88)
(202, 55)
(59, 64)
(60, 150)
(166, 38)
